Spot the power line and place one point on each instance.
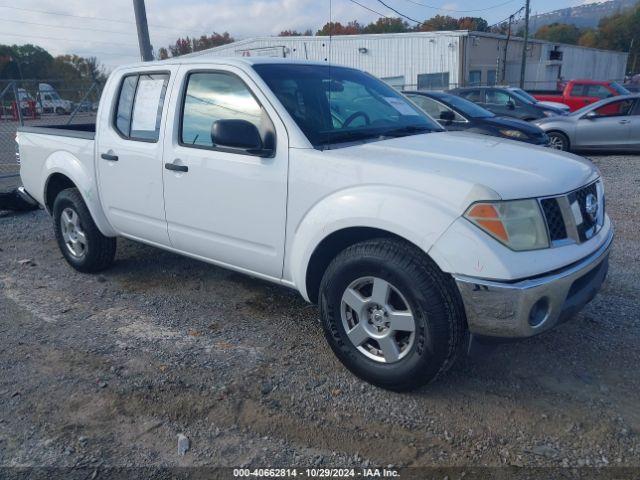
(460, 11)
(86, 17)
(66, 27)
(367, 8)
(505, 19)
(64, 39)
(401, 14)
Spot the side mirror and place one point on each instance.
(447, 116)
(591, 115)
(511, 105)
(239, 135)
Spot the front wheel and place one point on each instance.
(558, 141)
(390, 315)
(82, 244)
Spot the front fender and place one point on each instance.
(84, 179)
(414, 216)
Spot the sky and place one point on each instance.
(106, 29)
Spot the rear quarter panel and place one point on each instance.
(44, 155)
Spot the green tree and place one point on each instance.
(439, 22)
(387, 25)
(475, 24)
(559, 33)
(336, 28)
(295, 33)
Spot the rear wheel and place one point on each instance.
(558, 141)
(390, 315)
(82, 244)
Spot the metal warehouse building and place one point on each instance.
(437, 60)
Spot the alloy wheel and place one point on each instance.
(378, 319)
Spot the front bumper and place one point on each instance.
(531, 306)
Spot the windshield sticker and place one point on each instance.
(145, 111)
(401, 106)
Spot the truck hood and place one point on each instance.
(509, 168)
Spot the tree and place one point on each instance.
(387, 25)
(475, 24)
(559, 33)
(336, 28)
(589, 38)
(182, 46)
(439, 22)
(295, 33)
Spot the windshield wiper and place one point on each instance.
(406, 130)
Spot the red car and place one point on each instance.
(578, 93)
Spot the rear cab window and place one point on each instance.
(139, 107)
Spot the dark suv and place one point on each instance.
(505, 102)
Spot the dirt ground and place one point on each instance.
(108, 370)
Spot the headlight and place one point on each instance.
(518, 224)
(514, 134)
(549, 113)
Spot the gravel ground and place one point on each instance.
(110, 369)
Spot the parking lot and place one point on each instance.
(109, 369)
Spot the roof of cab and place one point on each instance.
(195, 59)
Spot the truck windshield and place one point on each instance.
(337, 105)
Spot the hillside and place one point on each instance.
(582, 16)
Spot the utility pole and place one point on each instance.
(506, 47)
(525, 43)
(143, 30)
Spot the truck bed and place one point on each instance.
(81, 130)
(42, 149)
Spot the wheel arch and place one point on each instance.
(331, 246)
(354, 214)
(59, 179)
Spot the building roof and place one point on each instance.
(441, 33)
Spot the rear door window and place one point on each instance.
(140, 103)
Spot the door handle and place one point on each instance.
(624, 122)
(109, 157)
(176, 168)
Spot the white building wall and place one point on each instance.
(401, 57)
(390, 55)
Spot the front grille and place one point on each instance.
(586, 228)
(568, 217)
(555, 222)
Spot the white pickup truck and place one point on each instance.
(413, 241)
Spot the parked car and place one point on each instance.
(414, 241)
(610, 124)
(503, 102)
(578, 93)
(456, 113)
(527, 96)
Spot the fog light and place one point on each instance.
(539, 312)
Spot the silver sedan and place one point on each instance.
(610, 124)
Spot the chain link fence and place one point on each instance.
(40, 103)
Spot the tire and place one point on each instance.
(83, 245)
(60, 111)
(415, 282)
(558, 141)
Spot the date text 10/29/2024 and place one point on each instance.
(316, 473)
